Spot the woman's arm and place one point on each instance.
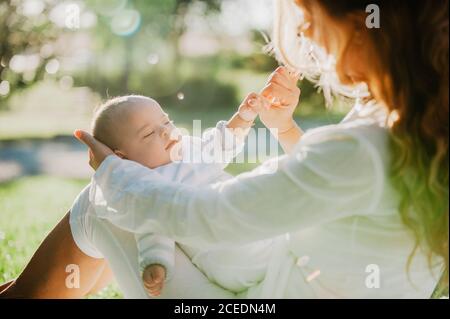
(330, 175)
(290, 137)
(280, 98)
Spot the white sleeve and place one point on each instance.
(330, 175)
(217, 146)
(156, 249)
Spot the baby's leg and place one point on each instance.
(120, 250)
(188, 282)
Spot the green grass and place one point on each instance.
(30, 207)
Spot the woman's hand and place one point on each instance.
(97, 150)
(282, 95)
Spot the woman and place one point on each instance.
(365, 204)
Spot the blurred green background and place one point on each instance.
(59, 59)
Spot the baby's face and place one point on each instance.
(147, 135)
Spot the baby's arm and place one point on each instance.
(223, 143)
(243, 119)
(156, 256)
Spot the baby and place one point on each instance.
(136, 128)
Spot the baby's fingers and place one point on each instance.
(263, 103)
(154, 291)
(155, 273)
(154, 287)
(252, 102)
(251, 99)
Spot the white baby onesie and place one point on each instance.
(235, 268)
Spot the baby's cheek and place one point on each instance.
(157, 154)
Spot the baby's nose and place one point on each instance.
(175, 134)
(168, 133)
(164, 132)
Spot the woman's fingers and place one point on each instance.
(281, 78)
(277, 94)
(98, 150)
(271, 90)
(92, 162)
(290, 75)
(285, 78)
(86, 138)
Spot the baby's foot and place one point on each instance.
(153, 277)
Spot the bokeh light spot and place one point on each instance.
(153, 58)
(66, 82)
(4, 88)
(126, 22)
(52, 66)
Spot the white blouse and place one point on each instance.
(330, 201)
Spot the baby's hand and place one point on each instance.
(154, 277)
(251, 106)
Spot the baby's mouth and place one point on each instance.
(171, 144)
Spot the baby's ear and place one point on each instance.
(120, 154)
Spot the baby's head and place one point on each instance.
(136, 128)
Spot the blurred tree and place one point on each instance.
(180, 10)
(26, 36)
(177, 26)
(161, 24)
